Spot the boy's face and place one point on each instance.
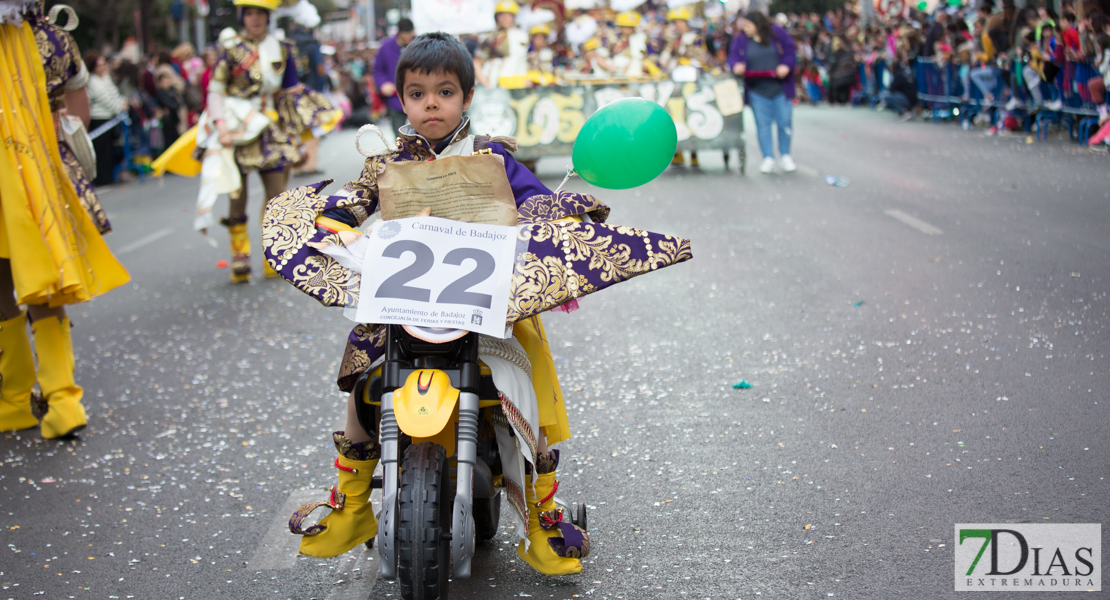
(434, 103)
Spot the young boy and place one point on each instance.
(435, 81)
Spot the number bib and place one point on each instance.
(433, 272)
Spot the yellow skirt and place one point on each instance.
(57, 255)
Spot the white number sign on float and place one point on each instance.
(433, 272)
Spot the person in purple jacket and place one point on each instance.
(385, 72)
(764, 55)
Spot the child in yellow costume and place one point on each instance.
(435, 78)
(629, 54)
(502, 58)
(541, 58)
(51, 253)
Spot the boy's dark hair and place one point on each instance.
(405, 26)
(436, 52)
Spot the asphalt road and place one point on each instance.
(926, 346)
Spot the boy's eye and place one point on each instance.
(416, 94)
(445, 92)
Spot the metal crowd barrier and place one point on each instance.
(947, 91)
(871, 83)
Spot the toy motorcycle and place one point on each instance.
(435, 406)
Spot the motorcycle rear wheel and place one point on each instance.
(424, 523)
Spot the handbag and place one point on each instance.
(76, 137)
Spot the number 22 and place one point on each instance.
(455, 293)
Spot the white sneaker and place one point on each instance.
(787, 164)
(1054, 104)
(767, 166)
(1012, 104)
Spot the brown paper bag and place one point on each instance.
(471, 189)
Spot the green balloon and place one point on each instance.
(953, 2)
(625, 144)
(921, 6)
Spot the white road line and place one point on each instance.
(914, 222)
(804, 170)
(148, 239)
(278, 549)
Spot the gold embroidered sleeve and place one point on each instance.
(363, 192)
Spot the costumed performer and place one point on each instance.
(51, 253)
(541, 58)
(502, 58)
(257, 115)
(628, 52)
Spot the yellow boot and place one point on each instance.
(554, 546)
(17, 375)
(351, 521)
(240, 249)
(678, 159)
(65, 415)
(267, 270)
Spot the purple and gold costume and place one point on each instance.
(238, 74)
(564, 260)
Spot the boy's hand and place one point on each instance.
(388, 89)
(427, 212)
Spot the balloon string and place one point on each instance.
(570, 173)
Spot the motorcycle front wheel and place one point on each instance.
(424, 523)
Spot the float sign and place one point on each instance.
(433, 272)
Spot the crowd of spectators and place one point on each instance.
(1004, 63)
(998, 62)
(164, 94)
(154, 101)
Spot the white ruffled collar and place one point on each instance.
(12, 11)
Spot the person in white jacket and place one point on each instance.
(105, 103)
